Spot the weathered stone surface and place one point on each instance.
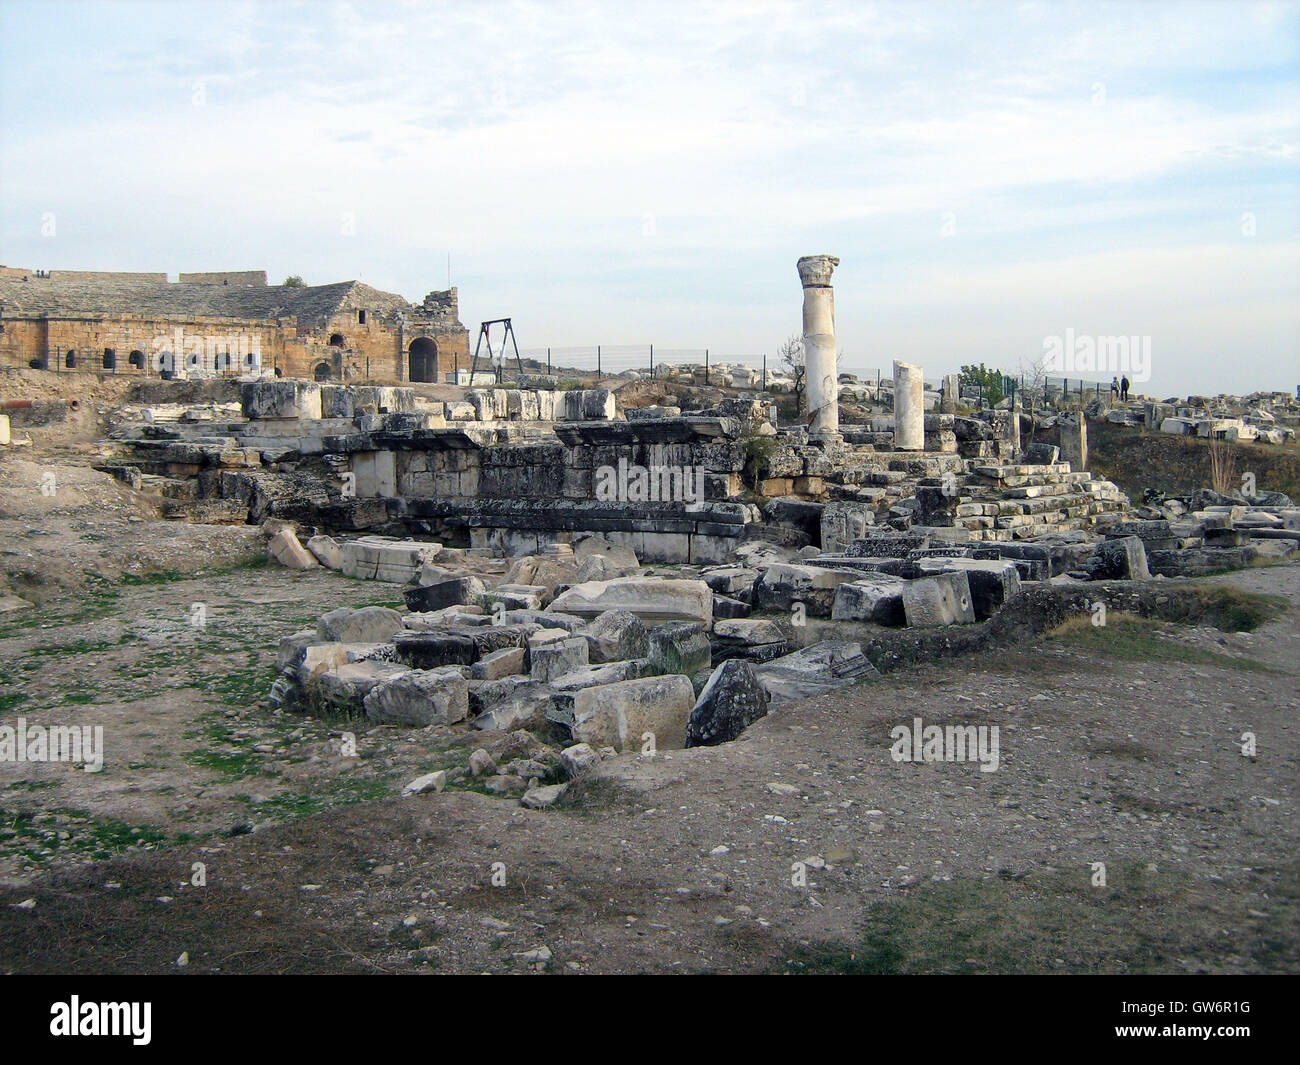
(814, 670)
(726, 607)
(1119, 560)
(481, 763)
(784, 584)
(992, 581)
(618, 715)
(281, 399)
(876, 597)
(419, 698)
(435, 781)
(458, 591)
(649, 598)
(579, 758)
(543, 796)
(345, 687)
(679, 647)
(286, 550)
(732, 700)
(503, 663)
(371, 624)
(615, 635)
(432, 650)
(557, 658)
(842, 523)
(730, 580)
(520, 704)
(943, 599)
(327, 551)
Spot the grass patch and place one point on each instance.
(1227, 609)
(76, 647)
(1016, 925)
(165, 576)
(40, 837)
(1132, 638)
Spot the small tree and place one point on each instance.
(989, 380)
(294, 281)
(790, 360)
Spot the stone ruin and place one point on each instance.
(520, 523)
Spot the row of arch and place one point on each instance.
(165, 360)
(422, 360)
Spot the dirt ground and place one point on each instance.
(223, 836)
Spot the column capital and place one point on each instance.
(815, 270)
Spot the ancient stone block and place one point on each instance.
(619, 715)
(876, 597)
(420, 698)
(371, 624)
(732, 700)
(943, 599)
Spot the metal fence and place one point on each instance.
(649, 360)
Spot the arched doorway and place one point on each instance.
(322, 371)
(336, 340)
(423, 360)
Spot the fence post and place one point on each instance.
(652, 360)
(548, 362)
(765, 371)
(706, 367)
(597, 360)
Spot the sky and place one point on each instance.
(991, 176)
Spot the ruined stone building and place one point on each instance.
(225, 323)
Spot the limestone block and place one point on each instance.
(943, 599)
(286, 550)
(420, 698)
(842, 522)
(814, 670)
(679, 647)
(1121, 559)
(876, 598)
(345, 687)
(558, 657)
(649, 598)
(371, 624)
(619, 715)
(281, 399)
(732, 700)
(783, 584)
(327, 551)
(615, 635)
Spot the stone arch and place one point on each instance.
(322, 371)
(423, 360)
(136, 359)
(337, 341)
(70, 360)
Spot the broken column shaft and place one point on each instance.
(821, 378)
(909, 407)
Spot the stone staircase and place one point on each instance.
(1019, 502)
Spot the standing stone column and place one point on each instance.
(909, 407)
(820, 377)
(951, 392)
(1015, 424)
(1074, 440)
